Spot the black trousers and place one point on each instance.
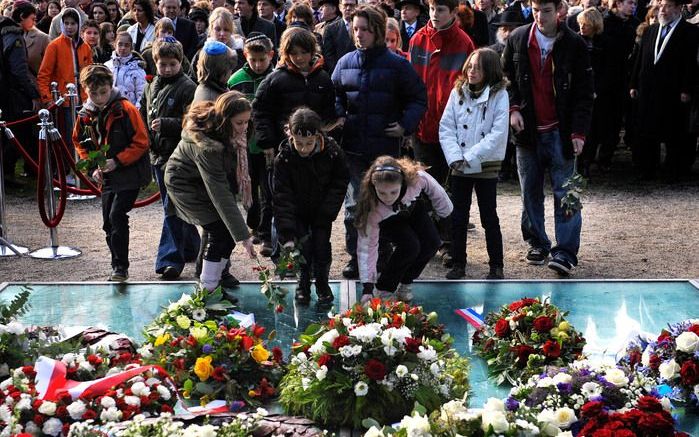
(433, 156)
(461, 194)
(115, 218)
(681, 153)
(316, 249)
(220, 244)
(260, 213)
(415, 239)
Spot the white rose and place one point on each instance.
(494, 404)
(687, 342)
(164, 393)
(328, 337)
(322, 373)
(361, 388)
(496, 419)
(111, 414)
(617, 377)
(669, 369)
(76, 410)
(416, 425)
(134, 401)
(140, 389)
(107, 402)
(591, 389)
(645, 358)
(562, 378)
(24, 404)
(52, 427)
(48, 408)
(565, 417)
(401, 370)
(545, 382)
(427, 353)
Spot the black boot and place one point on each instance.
(303, 289)
(325, 294)
(351, 270)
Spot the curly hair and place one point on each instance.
(213, 118)
(379, 172)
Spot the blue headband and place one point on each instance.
(215, 48)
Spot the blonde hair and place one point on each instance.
(594, 18)
(393, 26)
(227, 20)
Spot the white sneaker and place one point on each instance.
(404, 293)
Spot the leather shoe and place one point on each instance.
(170, 273)
(351, 270)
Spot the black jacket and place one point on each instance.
(310, 190)
(336, 44)
(15, 78)
(419, 24)
(284, 90)
(259, 24)
(572, 82)
(516, 7)
(479, 32)
(186, 34)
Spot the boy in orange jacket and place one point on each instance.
(108, 118)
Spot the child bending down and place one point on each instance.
(310, 181)
(391, 205)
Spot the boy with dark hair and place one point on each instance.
(163, 104)
(259, 52)
(108, 118)
(550, 112)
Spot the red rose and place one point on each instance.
(247, 343)
(649, 404)
(634, 358)
(340, 341)
(412, 345)
(65, 429)
(654, 362)
(624, 433)
(552, 349)
(29, 371)
(375, 369)
(690, 373)
(694, 329)
(38, 419)
(592, 409)
(663, 335)
(62, 412)
(502, 328)
(178, 363)
(165, 408)
(514, 306)
(543, 324)
(660, 423)
(258, 330)
(324, 360)
(522, 352)
(95, 360)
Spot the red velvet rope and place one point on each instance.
(50, 222)
(30, 118)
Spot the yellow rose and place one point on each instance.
(199, 332)
(183, 322)
(562, 336)
(203, 367)
(563, 326)
(259, 353)
(252, 393)
(161, 340)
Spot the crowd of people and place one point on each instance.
(399, 110)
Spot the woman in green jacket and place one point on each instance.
(213, 146)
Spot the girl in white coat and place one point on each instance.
(473, 135)
(127, 68)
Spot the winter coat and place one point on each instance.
(148, 38)
(475, 130)
(572, 83)
(62, 64)
(196, 178)
(438, 56)
(120, 125)
(166, 99)
(284, 90)
(309, 189)
(368, 240)
(419, 24)
(18, 90)
(337, 42)
(151, 69)
(129, 77)
(247, 82)
(36, 42)
(375, 88)
(208, 91)
(259, 24)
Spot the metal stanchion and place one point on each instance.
(54, 251)
(72, 95)
(6, 246)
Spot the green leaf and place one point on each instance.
(188, 385)
(204, 388)
(369, 422)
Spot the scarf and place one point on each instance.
(242, 176)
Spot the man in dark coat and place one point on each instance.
(413, 17)
(337, 38)
(247, 11)
(550, 112)
(523, 9)
(663, 80)
(265, 9)
(185, 30)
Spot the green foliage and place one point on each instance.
(95, 158)
(18, 306)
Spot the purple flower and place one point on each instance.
(206, 349)
(565, 387)
(512, 404)
(236, 406)
(584, 372)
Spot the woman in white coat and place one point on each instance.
(473, 135)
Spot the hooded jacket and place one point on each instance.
(129, 77)
(15, 78)
(120, 126)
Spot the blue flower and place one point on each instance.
(565, 387)
(511, 404)
(206, 349)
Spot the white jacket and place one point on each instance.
(129, 77)
(148, 37)
(475, 130)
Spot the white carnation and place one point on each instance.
(361, 388)
(5, 414)
(140, 389)
(134, 401)
(322, 373)
(427, 353)
(24, 404)
(328, 337)
(401, 370)
(687, 342)
(111, 414)
(350, 351)
(107, 402)
(145, 351)
(366, 333)
(52, 427)
(645, 358)
(48, 408)
(164, 393)
(76, 410)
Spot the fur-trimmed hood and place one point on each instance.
(202, 140)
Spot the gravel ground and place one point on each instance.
(629, 230)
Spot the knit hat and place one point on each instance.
(215, 48)
(256, 36)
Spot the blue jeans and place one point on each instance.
(532, 165)
(179, 241)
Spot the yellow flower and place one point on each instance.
(183, 322)
(203, 367)
(259, 353)
(161, 340)
(562, 336)
(186, 394)
(252, 393)
(563, 326)
(198, 332)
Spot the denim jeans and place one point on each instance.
(179, 241)
(532, 165)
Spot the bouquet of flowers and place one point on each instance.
(529, 334)
(22, 411)
(288, 265)
(555, 398)
(209, 356)
(672, 360)
(372, 361)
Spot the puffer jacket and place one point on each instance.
(166, 98)
(284, 90)
(196, 177)
(475, 130)
(308, 189)
(120, 125)
(129, 77)
(375, 88)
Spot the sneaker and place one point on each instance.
(536, 256)
(404, 293)
(458, 271)
(170, 273)
(119, 275)
(495, 273)
(560, 266)
(267, 249)
(351, 270)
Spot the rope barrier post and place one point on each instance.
(72, 96)
(46, 136)
(6, 247)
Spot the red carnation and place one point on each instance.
(412, 345)
(62, 412)
(277, 354)
(65, 429)
(522, 351)
(694, 329)
(649, 404)
(624, 433)
(375, 369)
(95, 360)
(178, 363)
(219, 374)
(552, 349)
(502, 328)
(340, 341)
(654, 362)
(165, 408)
(324, 360)
(543, 324)
(660, 423)
(663, 335)
(690, 373)
(29, 371)
(37, 403)
(38, 419)
(66, 398)
(592, 409)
